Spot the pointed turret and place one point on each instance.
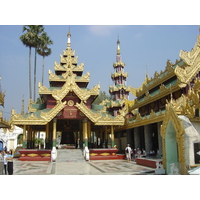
(22, 110)
(69, 39)
(119, 77)
(119, 91)
(118, 57)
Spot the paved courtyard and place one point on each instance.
(71, 162)
(79, 168)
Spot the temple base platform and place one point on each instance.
(105, 154)
(35, 155)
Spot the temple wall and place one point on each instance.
(192, 135)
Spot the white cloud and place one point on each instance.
(102, 30)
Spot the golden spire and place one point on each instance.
(69, 41)
(118, 46)
(118, 57)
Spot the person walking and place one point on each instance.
(128, 151)
(1, 163)
(10, 162)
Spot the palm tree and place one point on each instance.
(32, 39)
(43, 50)
(28, 40)
(38, 30)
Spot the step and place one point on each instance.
(69, 155)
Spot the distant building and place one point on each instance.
(4, 124)
(11, 138)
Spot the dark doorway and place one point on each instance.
(67, 138)
(196, 154)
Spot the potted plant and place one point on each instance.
(38, 142)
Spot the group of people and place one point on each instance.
(136, 153)
(6, 162)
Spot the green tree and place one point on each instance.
(31, 38)
(102, 96)
(43, 50)
(28, 40)
(38, 30)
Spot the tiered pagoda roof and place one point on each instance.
(119, 91)
(172, 83)
(67, 96)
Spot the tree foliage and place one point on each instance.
(102, 96)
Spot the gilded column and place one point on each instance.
(54, 132)
(159, 139)
(89, 134)
(85, 134)
(24, 143)
(112, 136)
(47, 136)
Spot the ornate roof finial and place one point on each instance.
(118, 57)
(118, 46)
(69, 36)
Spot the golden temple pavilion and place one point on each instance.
(163, 118)
(66, 111)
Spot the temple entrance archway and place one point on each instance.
(171, 147)
(69, 131)
(172, 133)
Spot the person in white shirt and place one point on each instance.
(128, 152)
(5, 162)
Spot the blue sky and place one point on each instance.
(144, 48)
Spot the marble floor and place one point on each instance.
(71, 162)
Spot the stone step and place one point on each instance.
(67, 155)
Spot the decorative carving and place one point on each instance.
(87, 112)
(159, 78)
(188, 71)
(37, 118)
(120, 73)
(69, 53)
(100, 118)
(116, 64)
(2, 95)
(186, 105)
(30, 107)
(79, 68)
(68, 60)
(70, 103)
